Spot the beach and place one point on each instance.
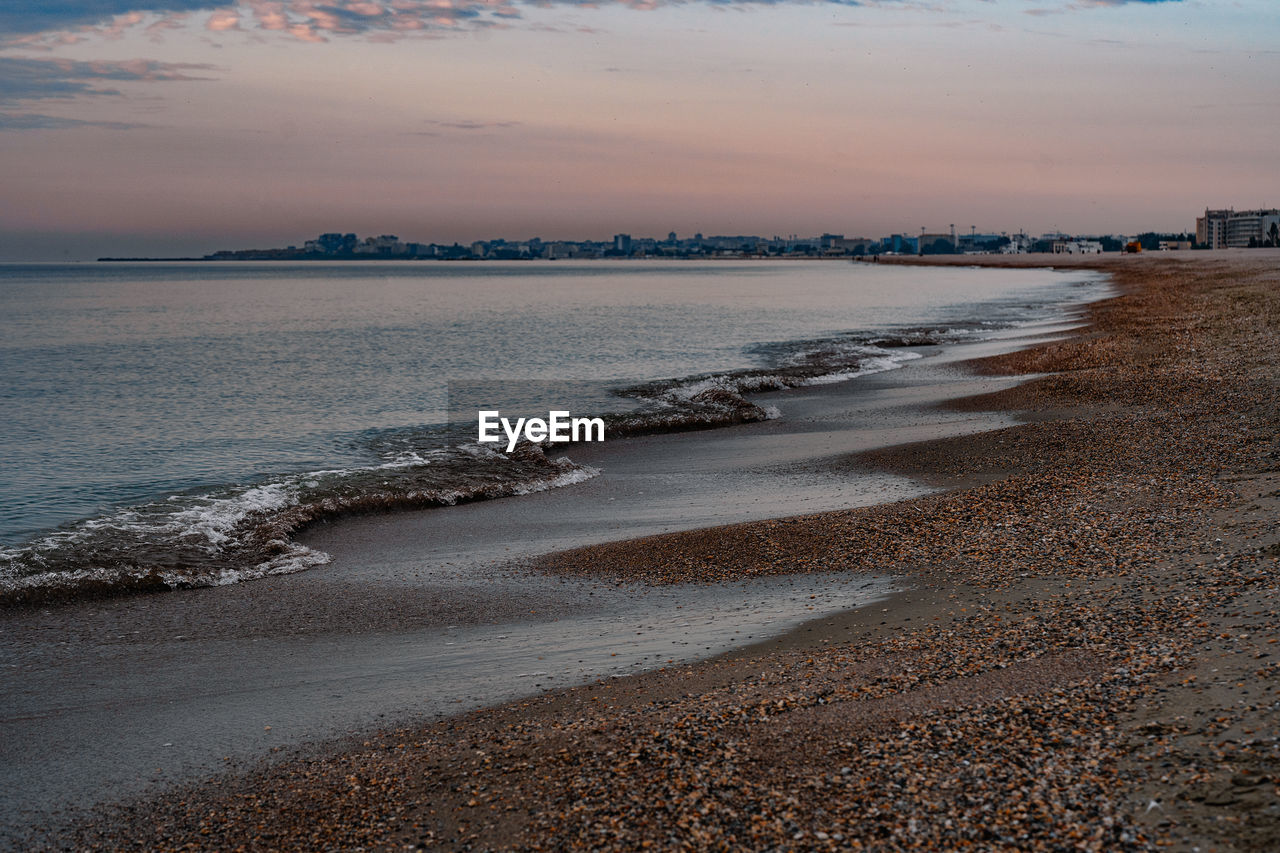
(1081, 657)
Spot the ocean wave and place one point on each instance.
(240, 534)
(247, 532)
(707, 401)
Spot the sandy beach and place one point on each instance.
(1085, 658)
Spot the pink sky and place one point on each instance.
(265, 124)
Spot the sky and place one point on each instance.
(180, 127)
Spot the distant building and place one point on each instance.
(1238, 229)
(1077, 247)
(937, 244)
(901, 243)
(980, 244)
(567, 249)
(622, 243)
(1019, 244)
(856, 245)
(331, 244)
(1211, 229)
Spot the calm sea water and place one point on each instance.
(177, 421)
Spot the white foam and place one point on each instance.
(878, 364)
(579, 474)
(213, 523)
(296, 559)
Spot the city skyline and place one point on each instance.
(180, 127)
(338, 245)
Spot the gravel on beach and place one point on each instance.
(1088, 657)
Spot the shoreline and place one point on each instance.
(230, 527)
(389, 624)
(417, 615)
(997, 648)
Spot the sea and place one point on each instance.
(176, 425)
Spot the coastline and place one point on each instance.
(1030, 619)
(226, 510)
(423, 614)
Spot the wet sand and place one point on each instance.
(1084, 659)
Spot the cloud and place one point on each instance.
(23, 79)
(1078, 5)
(308, 20)
(223, 20)
(53, 15)
(472, 125)
(46, 24)
(33, 121)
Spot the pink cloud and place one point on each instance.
(119, 24)
(269, 15)
(304, 32)
(313, 20)
(223, 20)
(42, 41)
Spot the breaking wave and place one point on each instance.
(714, 400)
(239, 533)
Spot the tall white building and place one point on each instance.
(1238, 229)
